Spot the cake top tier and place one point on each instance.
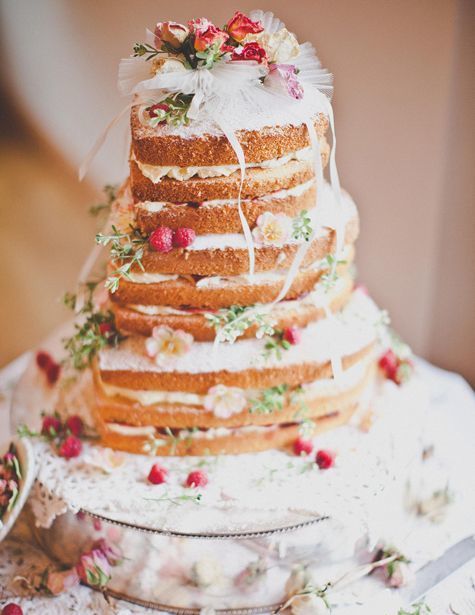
(196, 79)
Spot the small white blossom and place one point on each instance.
(225, 401)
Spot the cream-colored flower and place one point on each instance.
(167, 65)
(272, 229)
(205, 572)
(309, 605)
(225, 401)
(281, 46)
(105, 459)
(166, 345)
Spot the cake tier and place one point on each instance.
(219, 441)
(166, 146)
(222, 216)
(217, 292)
(141, 319)
(150, 183)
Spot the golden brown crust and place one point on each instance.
(151, 146)
(251, 378)
(185, 292)
(118, 409)
(257, 182)
(223, 218)
(247, 442)
(129, 321)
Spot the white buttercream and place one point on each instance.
(157, 206)
(131, 430)
(346, 333)
(156, 173)
(144, 277)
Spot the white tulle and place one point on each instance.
(269, 21)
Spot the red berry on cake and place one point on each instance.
(105, 329)
(197, 478)
(161, 239)
(389, 364)
(51, 426)
(12, 609)
(325, 459)
(157, 474)
(75, 425)
(292, 335)
(303, 447)
(52, 373)
(70, 447)
(183, 237)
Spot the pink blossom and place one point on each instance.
(113, 553)
(285, 75)
(400, 575)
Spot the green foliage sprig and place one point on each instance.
(275, 345)
(230, 323)
(301, 226)
(174, 110)
(270, 400)
(126, 250)
(96, 330)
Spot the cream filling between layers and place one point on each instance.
(279, 195)
(324, 387)
(346, 333)
(319, 297)
(156, 173)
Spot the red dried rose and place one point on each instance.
(239, 26)
(251, 51)
(206, 34)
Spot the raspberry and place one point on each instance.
(152, 111)
(52, 372)
(292, 335)
(389, 364)
(325, 459)
(75, 425)
(197, 478)
(183, 237)
(51, 426)
(161, 239)
(105, 329)
(70, 447)
(303, 447)
(157, 475)
(43, 359)
(12, 609)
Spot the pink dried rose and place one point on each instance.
(206, 34)
(58, 582)
(250, 52)
(170, 32)
(239, 26)
(112, 552)
(94, 569)
(167, 345)
(285, 76)
(399, 574)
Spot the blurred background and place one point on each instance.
(404, 92)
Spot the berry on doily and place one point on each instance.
(48, 365)
(43, 359)
(75, 425)
(197, 478)
(292, 335)
(325, 459)
(12, 609)
(70, 447)
(157, 475)
(389, 364)
(183, 237)
(51, 426)
(303, 447)
(161, 239)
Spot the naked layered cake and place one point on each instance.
(234, 324)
